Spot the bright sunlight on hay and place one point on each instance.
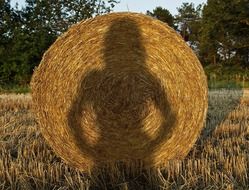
(120, 87)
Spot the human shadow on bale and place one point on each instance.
(121, 113)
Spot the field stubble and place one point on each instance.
(219, 159)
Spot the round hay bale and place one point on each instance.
(120, 87)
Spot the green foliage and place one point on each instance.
(225, 32)
(10, 22)
(162, 15)
(27, 33)
(188, 21)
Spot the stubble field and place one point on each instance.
(219, 159)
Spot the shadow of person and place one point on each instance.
(221, 104)
(121, 113)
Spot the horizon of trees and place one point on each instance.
(217, 31)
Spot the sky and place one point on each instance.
(141, 6)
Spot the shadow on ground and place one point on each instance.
(221, 104)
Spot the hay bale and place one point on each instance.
(120, 87)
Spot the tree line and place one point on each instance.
(217, 31)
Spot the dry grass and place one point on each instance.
(219, 160)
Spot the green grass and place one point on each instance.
(214, 84)
(222, 71)
(229, 77)
(17, 89)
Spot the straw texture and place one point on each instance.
(120, 87)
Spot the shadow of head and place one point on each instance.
(120, 112)
(123, 48)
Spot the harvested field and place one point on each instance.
(219, 159)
